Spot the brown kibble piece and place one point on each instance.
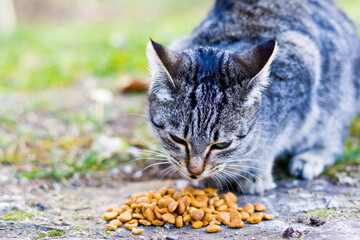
(172, 206)
(110, 227)
(187, 218)
(137, 231)
(249, 208)
(177, 195)
(222, 208)
(138, 216)
(232, 205)
(234, 215)
(115, 222)
(244, 215)
(197, 214)
(125, 216)
(143, 200)
(128, 202)
(149, 215)
(157, 213)
(197, 224)
(208, 217)
(213, 228)
(258, 214)
(168, 217)
(229, 197)
(112, 207)
(158, 223)
(110, 215)
(196, 203)
(219, 202)
(163, 210)
(223, 217)
(259, 207)
(199, 192)
(237, 223)
(181, 207)
(268, 216)
(130, 226)
(144, 222)
(179, 222)
(254, 218)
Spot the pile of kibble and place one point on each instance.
(193, 206)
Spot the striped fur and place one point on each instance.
(202, 94)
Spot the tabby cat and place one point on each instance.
(219, 112)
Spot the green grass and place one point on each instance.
(17, 216)
(50, 55)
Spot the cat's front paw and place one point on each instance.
(260, 185)
(307, 165)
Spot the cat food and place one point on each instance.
(196, 207)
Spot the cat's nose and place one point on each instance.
(195, 166)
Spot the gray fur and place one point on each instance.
(304, 107)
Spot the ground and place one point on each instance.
(37, 211)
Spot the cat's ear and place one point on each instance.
(256, 62)
(162, 59)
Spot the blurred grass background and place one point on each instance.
(48, 124)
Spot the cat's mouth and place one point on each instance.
(208, 170)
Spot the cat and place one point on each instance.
(255, 80)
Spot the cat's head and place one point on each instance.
(203, 104)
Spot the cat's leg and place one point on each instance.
(312, 163)
(261, 180)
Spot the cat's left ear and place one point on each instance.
(255, 63)
(162, 60)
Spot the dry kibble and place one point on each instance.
(229, 197)
(138, 216)
(198, 207)
(249, 208)
(254, 218)
(244, 215)
(125, 216)
(137, 231)
(163, 210)
(197, 224)
(112, 207)
(224, 217)
(158, 223)
(110, 215)
(234, 215)
(213, 228)
(197, 214)
(128, 202)
(172, 206)
(187, 218)
(144, 222)
(237, 223)
(219, 202)
(179, 222)
(157, 213)
(222, 208)
(149, 215)
(115, 222)
(181, 207)
(110, 227)
(167, 217)
(196, 203)
(259, 207)
(199, 192)
(177, 195)
(268, 216)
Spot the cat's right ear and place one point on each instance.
(163, 60)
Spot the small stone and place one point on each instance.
(317, 221)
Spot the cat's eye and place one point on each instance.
(177, 139)
(222, 145)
